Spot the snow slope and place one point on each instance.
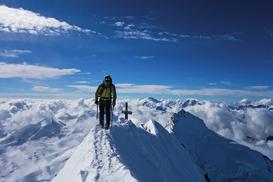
(129, 153)
(223, 159)
(37, 137)
(247, 122)
(94, 160)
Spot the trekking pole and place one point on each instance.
(112, 115)
(97, 115)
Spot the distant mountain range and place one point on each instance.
(164, 140)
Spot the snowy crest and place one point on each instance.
(38, 138)
(222, 159)
(150, 127)
(129, 153)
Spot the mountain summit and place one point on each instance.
(130, 153)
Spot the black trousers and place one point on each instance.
(105, 108)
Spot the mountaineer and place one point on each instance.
(105, 99)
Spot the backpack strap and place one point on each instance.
(101, 89)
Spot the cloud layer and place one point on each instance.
(45, 89)
(130, 29)
(14, 53)
(32, 71)
(25, 21)
(144, 57)
(171, 90)
(247, 125)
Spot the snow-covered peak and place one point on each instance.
(245, 102)
(265, 102)
(151, 99)
(45, 128)
(129, 153)
(34, 144)
(150, 126)
(222, 159)
(190, 102)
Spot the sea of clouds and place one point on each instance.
(248, 123)
(37, 136)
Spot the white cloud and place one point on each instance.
(204, 37)
(212, 84)
(82, 82)
(259, 87)
(144, 57)
(185, 36)
(85, 88)
(264, 101)
(8, 70)
(14, 53)
(245, 101)
(124, 85)
(137, 33)
(223, 92)
(227, 37)
(144, 89)
(25, 21)
(144, 35)
(85, 73)
(129, 27)
(128, 88)
(249, 126)
(43, 95)
(141, 30)
(146, 31)
(45, 89)
(225, 82)
(171, 90)
(119, 24)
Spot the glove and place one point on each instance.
(96, 102)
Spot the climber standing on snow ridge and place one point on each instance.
(106, 98)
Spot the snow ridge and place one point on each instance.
(94, 160)
(223, 159)
(37, 137)
(129, 153)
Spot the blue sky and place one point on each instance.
(216, 50)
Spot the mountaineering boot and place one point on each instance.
(107, 125)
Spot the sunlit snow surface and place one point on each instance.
(222, 159)
(37, 137)
(127, 153)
